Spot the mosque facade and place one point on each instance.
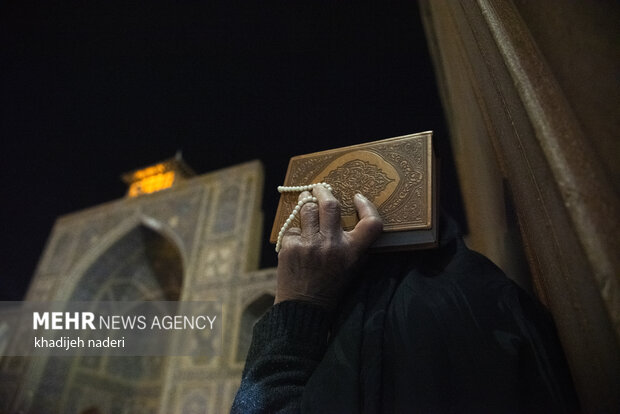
(174, 237)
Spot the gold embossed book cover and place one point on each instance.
(396, 174)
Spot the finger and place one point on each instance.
(309, 216)
(289, 237)
(329, 211)
(370, 226)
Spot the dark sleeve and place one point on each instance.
(288, 342)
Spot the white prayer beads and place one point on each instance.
(300, 203)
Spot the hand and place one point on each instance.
(315, 262)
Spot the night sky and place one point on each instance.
(92, 89)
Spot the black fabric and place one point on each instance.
(440, 331)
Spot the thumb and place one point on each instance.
(370, 226)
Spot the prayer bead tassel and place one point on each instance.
(300, 203)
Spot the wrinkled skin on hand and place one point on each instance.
(315, 262)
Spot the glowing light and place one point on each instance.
(155, 180)
(149, 171)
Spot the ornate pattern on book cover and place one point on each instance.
(396, 174)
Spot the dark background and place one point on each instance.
(92, 89)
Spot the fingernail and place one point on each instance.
(360, 196)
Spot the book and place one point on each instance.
(397, 174)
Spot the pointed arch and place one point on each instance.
(135, 262)
(77, 272)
